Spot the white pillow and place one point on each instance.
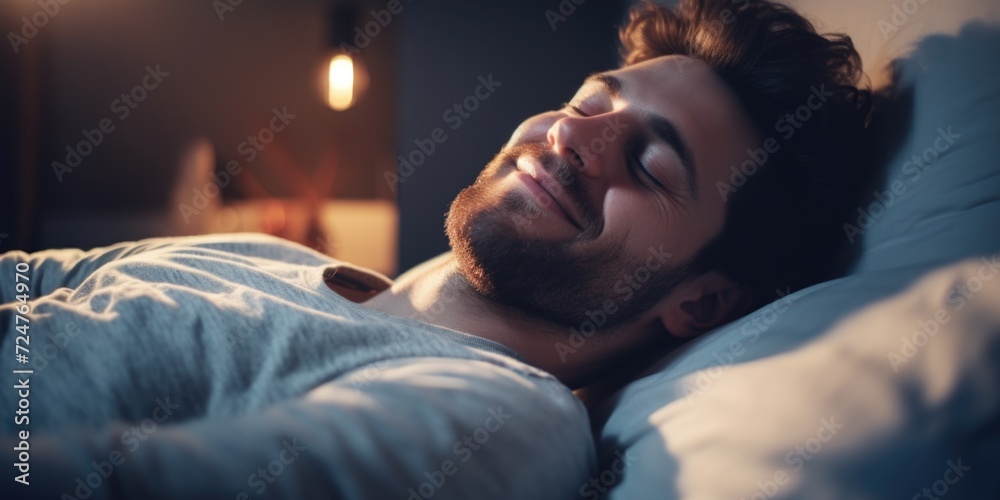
(723, 417)
(880, 404)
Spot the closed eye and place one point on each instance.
(575, 109)
(633, 160)
(641, 168)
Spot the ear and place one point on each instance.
(702, 304)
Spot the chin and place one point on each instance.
(538, 278)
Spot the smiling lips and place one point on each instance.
(546, 189)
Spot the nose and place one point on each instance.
(594, 145)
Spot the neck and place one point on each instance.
(436, 292)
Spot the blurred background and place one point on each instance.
(347, 126)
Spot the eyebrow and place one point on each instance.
(661, 127)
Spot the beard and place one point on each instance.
(562, 282)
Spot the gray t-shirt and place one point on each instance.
(220, 324)
(226, 366)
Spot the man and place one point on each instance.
(666, 198)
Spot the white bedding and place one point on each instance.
(834, 392)
(875, 405)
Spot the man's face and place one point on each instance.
(607, 201)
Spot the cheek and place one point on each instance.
(635, 217)
(642, 223)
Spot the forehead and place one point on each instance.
(676, 79)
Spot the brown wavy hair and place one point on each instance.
(783, 226)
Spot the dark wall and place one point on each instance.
(226, 74)
(445, 47)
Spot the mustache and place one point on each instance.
(562, 170)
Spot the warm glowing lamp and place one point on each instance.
(345, 75)
(340, 82)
